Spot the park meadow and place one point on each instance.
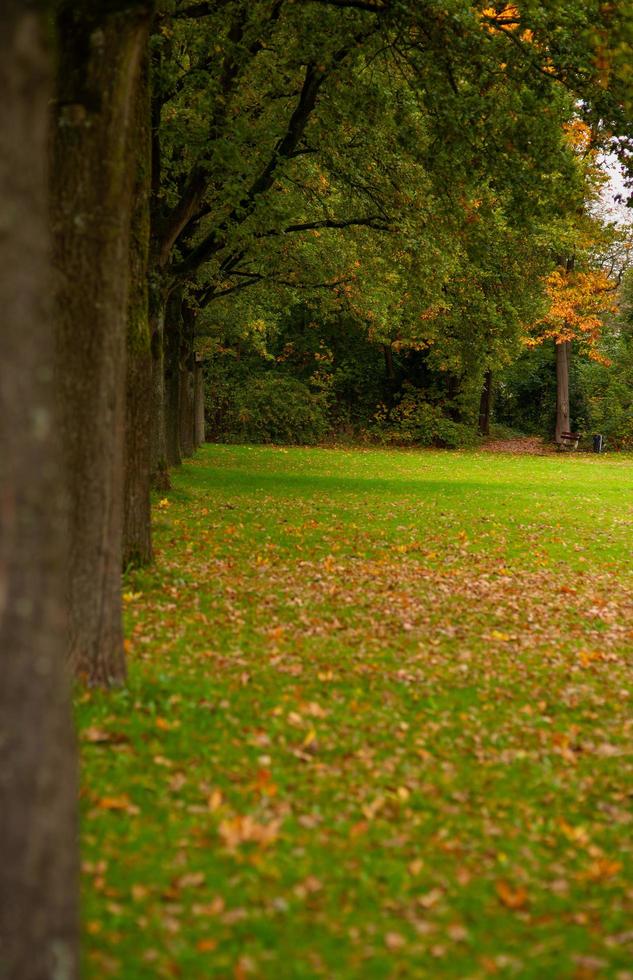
(377, 722)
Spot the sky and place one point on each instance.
(616, 211)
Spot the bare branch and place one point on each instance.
(372, 8)
(372, 221)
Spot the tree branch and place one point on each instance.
(253, 278)
(216, 239)
(372, 221)
(312, 83)
(198, 182)
(197, 10)
(373, 8)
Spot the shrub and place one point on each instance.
(415, 421)
(269, 408)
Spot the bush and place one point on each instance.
(609, 400)
(269, 408)
(414, 421)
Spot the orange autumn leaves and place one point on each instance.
(578, 302)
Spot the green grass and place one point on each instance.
(377, 724)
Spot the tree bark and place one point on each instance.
(390, 373)
(99, 72)
(198, 406)
(137, 536)
(158, 433)
(172, 340)
(187, 368)
(485, 405)
(453, 390)
(563, 353)
(38, 849)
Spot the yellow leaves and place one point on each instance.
(99, 736)
(511, 897)
(499, 636)
(564, 744)
(192, 879)
(139, 892)
(166, 726)
(577, 303)
(586, 658)
(131, 596)
(240, 829)
(122, 804)
(578, 135)
(394, 940)
(371, 810)
(576, 835)
(206, 945)
(602, 869)
(309, 739)
(263, 784)
(163, 504)
(214, 801)
(209, 909)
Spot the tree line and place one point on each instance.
(161, 163)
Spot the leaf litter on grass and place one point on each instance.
(378, 724)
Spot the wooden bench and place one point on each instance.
(569, 441)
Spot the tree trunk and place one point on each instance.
(187, 367)
(158, 433)
(137, 536)
(198, 406)
(38, 834)
(390, 373)
(453, 391)
(99, 71)
(172, 336)
(563, 353)
(485, 405)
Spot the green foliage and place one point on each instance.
(608, 388)
(419, 190)
(525, 393)
(268, 408)
(415, 421)
(601, 392)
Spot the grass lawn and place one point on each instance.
(378, 724)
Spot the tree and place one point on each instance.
(102, 52)
(350, 119)
(137, 538)
(578, 301)
(38, 859)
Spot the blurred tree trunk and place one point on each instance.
(485, 405)
(198, 402)
(38, 834)
(137, 535)
(563, 353)
(171, 343)
(390, 372)
(101, 53)
(453, 391)
(159, 473)
(187, 368)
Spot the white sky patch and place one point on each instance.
(612, 206)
